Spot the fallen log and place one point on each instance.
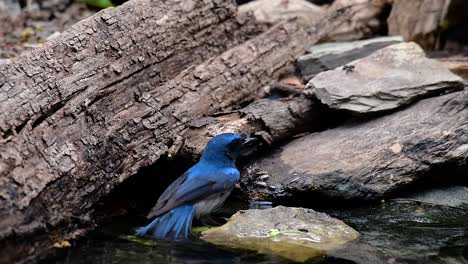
(271, 120)
(274, 11)
(366, 22)
(368, 160)
(418, 20)
(94, 54)
(457, 65)
(70, 138)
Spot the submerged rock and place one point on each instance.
(369, 160)
(409, 231)
(298, 234)
(328, 56)
(387, 79)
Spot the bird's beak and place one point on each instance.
(248, 140)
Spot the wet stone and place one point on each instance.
(297, 234)
(412, 229)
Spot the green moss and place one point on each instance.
(140, 240)
(98, 3)
(200, 229)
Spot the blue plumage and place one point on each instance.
(198, 192)
(173, 224)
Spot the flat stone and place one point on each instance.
(370, 160)
(298, 234)
(328, 56)
(453, 196)
(387, 79)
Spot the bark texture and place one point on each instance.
(98, 52)
(74, 128)
(418, 20)
(271, 120)
(368, 22)
(63, 107)
(457, 64)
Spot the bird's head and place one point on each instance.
(224, 147)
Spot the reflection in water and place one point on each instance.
(392, 232)
(121, 251)
(411, 232)
(115, 243)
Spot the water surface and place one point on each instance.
(392, 232)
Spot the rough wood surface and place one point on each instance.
(368, 22)
(418, 20)
(74, 129)
(369, 160)
(271, 120)
(98, 52)
(273, 11)
(457, 64)
(62, 106)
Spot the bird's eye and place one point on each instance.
(236, 141)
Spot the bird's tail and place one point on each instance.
(174, 224)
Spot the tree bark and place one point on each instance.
(418, 20)
(114, 45)
(110, 95)
(272, 120)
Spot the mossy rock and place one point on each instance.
(298, 234)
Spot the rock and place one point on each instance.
(418, 20)
(453, 196)
(387, 79)
(272, 11)
(328, 56)
(407, 232)
(457, 64)
(298, 234)
(373, 159)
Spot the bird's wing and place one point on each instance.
(166, 195)
(186, 189)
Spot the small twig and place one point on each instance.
(286, 88)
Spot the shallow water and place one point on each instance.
(392, 232)
(411, 232)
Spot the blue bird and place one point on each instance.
(198, 192)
